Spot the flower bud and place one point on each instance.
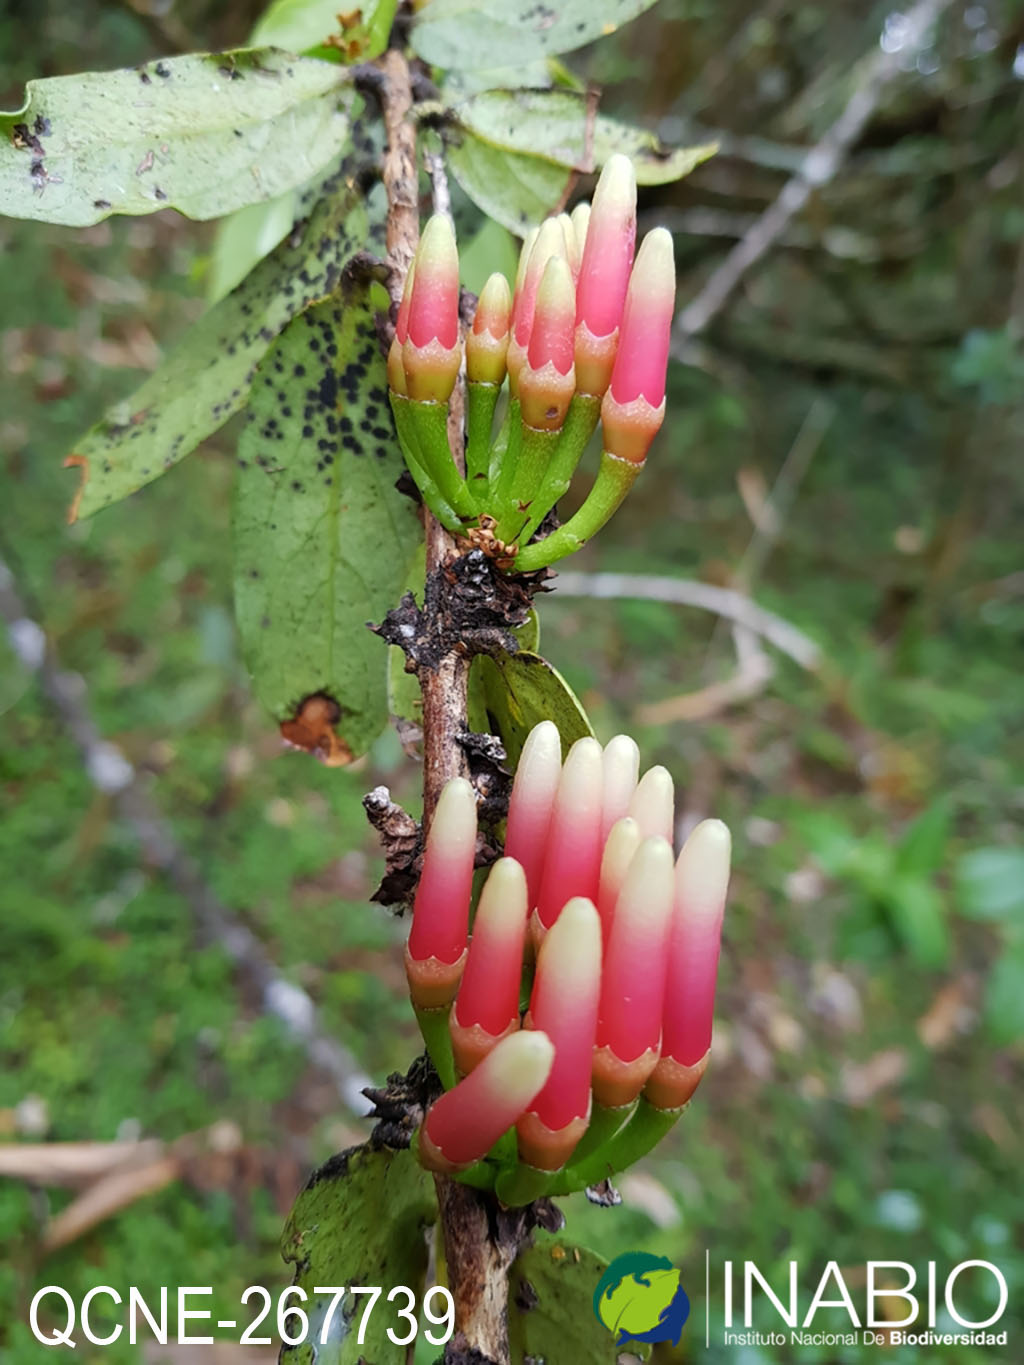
(572, 861)
(624, 838)
(464, 1124)
(431, 349)
(487, 1005)
(396, 367)
(621, 769)
(531, 802)
(548, 242)
(604, 273)
(633, 977)
(653, 804)
(547, 380)
(701, 882)
(566, 989)
(487, 339)
(436, 951)
(633, 409)
(573, 250)
(580, 219)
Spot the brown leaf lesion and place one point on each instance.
(312, 728)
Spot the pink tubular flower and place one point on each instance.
(621, 770)
(464, 1124)
(604, 273)
(549, 241)
(487, 339)
(633, 409)
(430, 348)
(563, 1005)
(633, 978)
(572, 861)
(653, 803)
(547, 380)
(533, 796)
(436, 951)
(487, 1006)
(624, 838)
(701, 882)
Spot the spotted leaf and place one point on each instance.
(204, 134)
(206, 378)
(323, 538)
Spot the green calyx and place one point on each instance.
(614, 480)
(514, 478)
(423, 433)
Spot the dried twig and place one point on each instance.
(819, 167)
(112, 774)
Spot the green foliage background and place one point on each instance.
(865, 1097)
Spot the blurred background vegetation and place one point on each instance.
(843, 441)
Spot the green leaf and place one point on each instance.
(554, 125)
(557, 1281)
(918, 914)
(489, 250)
(1004, 996)
(203, 134)
(514, 692)
(990, 883)
(336, 1235)
(206, 378)
(245, 237)
(514, 189)
(922, 849)
(488, 33)
(298, 25)
(323, 539)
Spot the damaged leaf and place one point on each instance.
(323, 539)
(204, 134)
(205, 379)
(456, 34)
(336, 1236)
(555, 125)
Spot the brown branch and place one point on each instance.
(477, 1252)
(401, 180)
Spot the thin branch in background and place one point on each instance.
(685, 592)
(819, 167)
(112, 774)
(768, 524)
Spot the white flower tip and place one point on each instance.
(702, 871)
(504, 892)
(454, 823)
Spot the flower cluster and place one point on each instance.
(574, 1024)
(583, 338)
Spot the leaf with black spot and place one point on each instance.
(204, 134)
(205, 379)
(323, 538)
